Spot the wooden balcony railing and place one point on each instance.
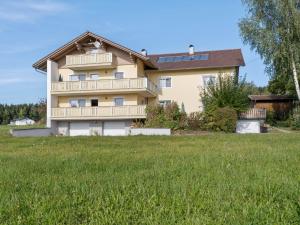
(104, 85)
(104, 112)
(254, 113)
(95, 59)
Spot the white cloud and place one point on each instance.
(30, 10)
(48, 6)
(4, 81)
(19, 75)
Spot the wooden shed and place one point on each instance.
(281, 105)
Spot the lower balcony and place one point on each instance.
(99, 113)
(105, 86)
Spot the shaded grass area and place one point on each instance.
(211, 179)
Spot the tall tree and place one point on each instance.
(272, 28)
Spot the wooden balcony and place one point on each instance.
(104, 112)
(91, 61)
(105, 86)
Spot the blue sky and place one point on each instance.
(30, 29)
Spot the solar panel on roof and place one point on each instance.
(184, 58)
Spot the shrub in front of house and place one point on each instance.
(221, 119)
(174, 118)
(155, 116)
(169, 116)
(196, 121)
(226, 92)
(271, 118)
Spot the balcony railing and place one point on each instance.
(103, 112)
(90, 60)
(104, 85)
(254, 113)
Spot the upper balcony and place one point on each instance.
(105, 86)
(91, 61)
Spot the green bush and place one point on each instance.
(295, 122)
(155, 116)
(295, 119)
(196, 121)
(227, 92)
(172, 116)
(271, 118)
(222, 119)
(169, 116)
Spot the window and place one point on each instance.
(94, 102)
(81, 102)
(77, 102)
(119, 75)
(119, 101)
(77, 77)
(164, 103)
(209, 80)
(94, 76)
(165, 82)
(73, 103)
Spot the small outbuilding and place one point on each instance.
(22, 122)
(281, 105)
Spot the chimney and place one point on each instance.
(144, 52)
(191, 50)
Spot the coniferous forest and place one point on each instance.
(36, 112)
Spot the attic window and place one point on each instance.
(183, 58)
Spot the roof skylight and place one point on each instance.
(183, 58)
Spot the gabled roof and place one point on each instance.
(216, 59)
(42, 63)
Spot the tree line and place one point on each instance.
(36, 112)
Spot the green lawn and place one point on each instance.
(212, 179)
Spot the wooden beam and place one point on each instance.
(132, 57)
(79, 46)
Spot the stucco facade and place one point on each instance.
(113, 83)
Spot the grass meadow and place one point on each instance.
(211, 179)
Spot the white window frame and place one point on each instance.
(77, 75)
(165, 78)
(94, 74)
(164, 103)
(210, 77)
(77, 102)
(119, 97)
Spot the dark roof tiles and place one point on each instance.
(216, 59)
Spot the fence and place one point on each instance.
(254, 113)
